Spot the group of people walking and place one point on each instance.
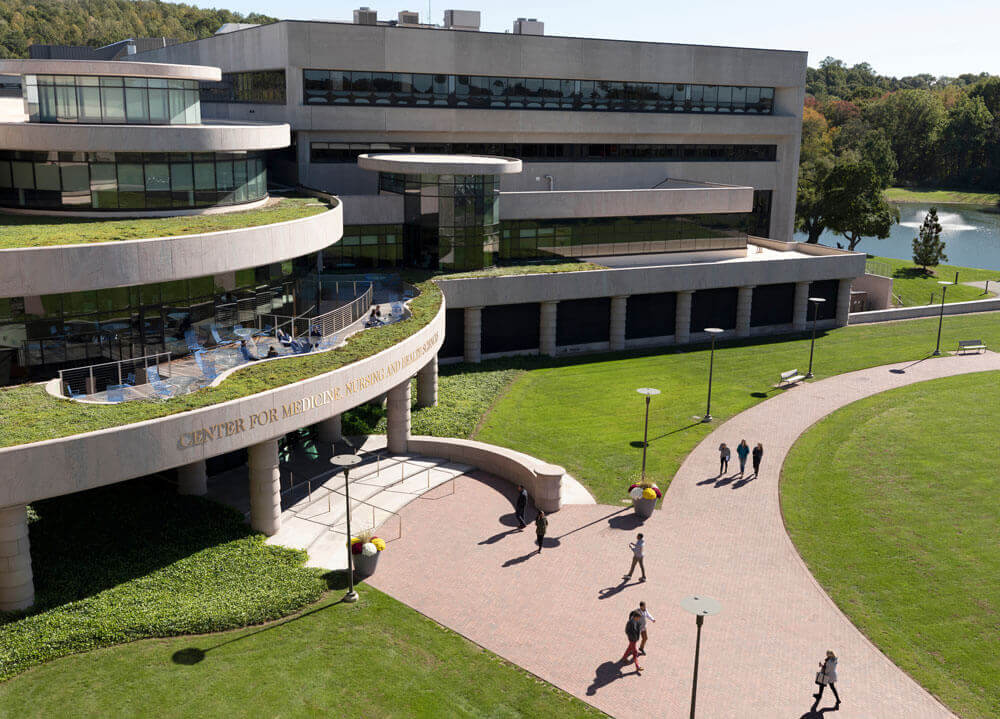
(742, 452)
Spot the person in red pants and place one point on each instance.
(633, 630)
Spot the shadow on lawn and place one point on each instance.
(638, 443)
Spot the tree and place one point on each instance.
(965, 138)
(871, 144)
(928, 249)
(912, 121)
(853, 202)
(815, 162)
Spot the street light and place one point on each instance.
(649, 392)
(345, 462)
(816, 302)
(944, 291)
(700, 607)
(713, 331)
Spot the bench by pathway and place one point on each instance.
(561, 614)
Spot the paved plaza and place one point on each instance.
(561, 614)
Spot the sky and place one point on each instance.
(895, 37)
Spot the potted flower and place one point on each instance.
(365, 549)
(644, 496)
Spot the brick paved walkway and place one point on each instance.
(561, 614)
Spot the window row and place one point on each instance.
(330, 152)
(354, 87)
(112, 100)
(130, 181)
(261, 87)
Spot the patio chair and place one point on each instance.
(217, 337)
(73, 394)
(191, 337)
(116, 392)
(398, 310)
(130, 379)
(327, 343)
(206, 365)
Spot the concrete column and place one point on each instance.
(619, 309)
(265, 487)
(682, 320)
(800, 306)
(473, 334)
(398, 417)
(844, 301)
(547, 314)
(329, 430)
(192, 479)
(17, 587)
(744, 301)
(427, 384)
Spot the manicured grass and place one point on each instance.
(929, 194)
(527, 269)
(29, 414)
(893, 503)
(136, 560)
(915, 288)
(584, 413)
(42, 230)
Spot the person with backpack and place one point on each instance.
(633, 630)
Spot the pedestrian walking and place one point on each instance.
(637, 548)
(541, 525)
(644, 616)
(633, 631)
(742, 452)
(522, 504)
(827, 675)
(758, 452)
(724, 455)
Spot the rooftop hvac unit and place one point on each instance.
(365, 16)
(461, 19)
(408, 17)
(528, 26)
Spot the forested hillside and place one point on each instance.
(101, 22)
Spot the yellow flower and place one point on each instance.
(648, 493)
(379, 543)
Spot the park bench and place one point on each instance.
(971, 346)
(790, 377)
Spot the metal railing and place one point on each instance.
(328, 323)
(95, 378)
(882, 269)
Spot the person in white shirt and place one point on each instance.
(644, 616)
(637, 547)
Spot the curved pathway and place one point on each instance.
(561, 614)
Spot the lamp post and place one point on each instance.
(345, 462)
(700, 607)
(944, 291)
(816, 302)
(649, 392)
(714, 332)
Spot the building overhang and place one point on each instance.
(426, 164)
(117, 68)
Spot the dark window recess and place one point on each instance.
(583, 321)
(759, 219)
(827, 289)
(262, 87)
(772, 304)
(454, 334)
(510, 328)
(651, 315)
(713, 308)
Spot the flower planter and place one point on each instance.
(365, 566)
(644, 507)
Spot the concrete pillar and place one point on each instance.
(427, 384)
(473, 334)
(619, 310)
(192, 479)
(17, 587)
(398, 417)
(547, 314)
(329, 430)
(265, 487)
(800, 306)
(682, 320)
(844, 301)
(744, 302)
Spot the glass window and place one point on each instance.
(204, 176)
(739, 99)
(176, 103)
(47, 176)
(423, 89)
(725, 101)
(113, 103)
(89, 104)
(157, 177)
(498, 92)
(136, 109)
(317, 86)
(158, 111)
(24, 175)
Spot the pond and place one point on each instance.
(971, 234)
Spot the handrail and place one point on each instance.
(93, 378)
(328, 323)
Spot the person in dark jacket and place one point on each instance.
(827, 676)
(724, 455)
(633, 630)
(742, 450)
(758, 452)
(522, 504)
(541, 524)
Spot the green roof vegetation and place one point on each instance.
(526, 269)
(18, 231)
(901, 530)
(30, 414)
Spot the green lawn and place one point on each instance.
(899, 523)
(929, 194)
(42, 230)
(584, 413)
(915, 288)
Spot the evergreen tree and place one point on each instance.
(928, 249)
